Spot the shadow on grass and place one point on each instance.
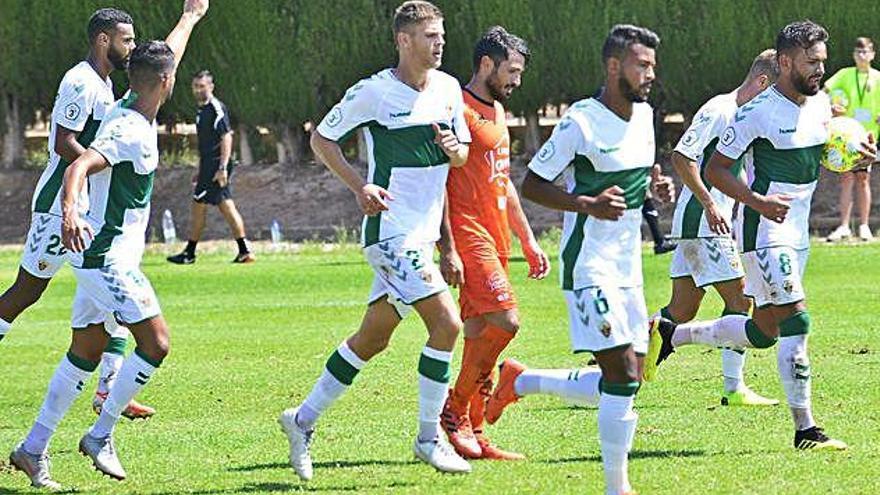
(637, 454)
(323, 465)
(285, 487)
(14, 491)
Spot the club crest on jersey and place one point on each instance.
(72, 111)
(605, 328)
(788, 286)
(42, 265)
(426, 276)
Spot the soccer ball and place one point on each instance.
(841, 152)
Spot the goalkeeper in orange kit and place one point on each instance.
(483, 207)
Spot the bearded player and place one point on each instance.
(483, 207)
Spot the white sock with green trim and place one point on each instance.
(133, 377)
(433, 387)
(727, 331)
(340, 370)
(65, 386)
(794, 372)
(4, 328)
(580, 386)
(617, 427)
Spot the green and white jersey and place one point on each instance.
(697, 144)
(785, 141)
(119, 195)
(403, 158)
(594, 149)
(82, 102)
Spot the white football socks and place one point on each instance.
(732, 364)
(337, 376)
(580, 386)
(617, 427)
(727, 331)
(133, 377)
(794, 372)
(64, 387)
(433, 387)
(108, 371)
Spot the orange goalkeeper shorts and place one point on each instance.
(486, 286)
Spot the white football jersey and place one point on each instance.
(595, 149)
(82, 102)
(785, 141)
(403, 158)
(119, 196)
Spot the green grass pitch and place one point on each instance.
(248, 341)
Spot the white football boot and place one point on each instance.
(439, 454)
(300, 441)
(103, 455)
(36, 467)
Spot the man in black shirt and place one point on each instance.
(212, 185)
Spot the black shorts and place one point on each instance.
(207, 191)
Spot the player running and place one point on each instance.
(786, 129)
(604, 148)
(414, 127)
(105, 248)
(483, 208)
(706, 254)
(84, 98)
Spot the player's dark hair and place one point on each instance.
(149, 61)
(105, 21)
(202, 74)
(799, 34)
(622, 36)
(864, 42)
(497, 44)
(415, 12)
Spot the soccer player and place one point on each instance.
(604, 148)
(483, 208)
(84, 98)
(106, 246)
(706, 254)
(786, 129)
(854, 93)
(413, 121)
(212, 184)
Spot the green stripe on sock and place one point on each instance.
(757, 337)
(148, 359)
(619, 389)
(796, 324)
(83, 364)
(341, 369)
(116, 345)
(666, 314)
(434, 369)
(729, 312)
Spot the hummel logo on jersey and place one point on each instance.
(399, 115)
(788, 131)
(605, 151)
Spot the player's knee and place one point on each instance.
(758, 338)
(511, 324)
(796, 324)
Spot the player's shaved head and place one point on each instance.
(622, 36)
(150, 63)
(415, 12)
(105, 21)
(799, 35)
(765, 64)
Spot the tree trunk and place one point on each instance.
(13, 133)
(291, 143)
(533, 134)
(245, 153)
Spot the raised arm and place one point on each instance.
(177, 39)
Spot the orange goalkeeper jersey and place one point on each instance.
(477, 191)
